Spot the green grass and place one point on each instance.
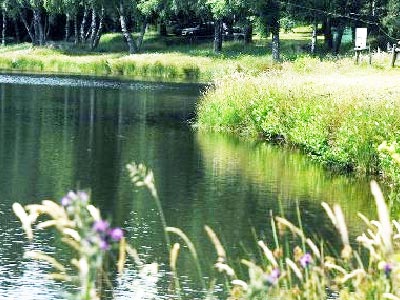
(337, 113)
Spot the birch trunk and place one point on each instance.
(139, 42)
(127, 34)
(218, 36)
(3, 31)
(314, 38)
(83, 24)
(39, 32)
(93, 25)
(27, 27)
(67, 26)
(275, 46)
(97, 37)
(76, 30)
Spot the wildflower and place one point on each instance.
(83, 196)
(116, 234)
(273, 277)
(305, 260)
(100, 226)
(388, 269)
(103, 244)
(68, 198)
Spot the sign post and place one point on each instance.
(361, 42)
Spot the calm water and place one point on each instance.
(63, 133)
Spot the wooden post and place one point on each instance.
(370, 54)
(357, 56)
(394, 55)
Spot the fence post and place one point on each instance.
(394, 55)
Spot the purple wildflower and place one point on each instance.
(83, 196)
(387, 269)
(68, 198)
(116, 234)
(103, 245)
(66, 201)
(305, 260)
(101, 226)
(273, 277)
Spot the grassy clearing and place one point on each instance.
(337, 113)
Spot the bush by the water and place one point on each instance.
(340, 119)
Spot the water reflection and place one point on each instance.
(54, 138)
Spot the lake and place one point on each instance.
(63, 133)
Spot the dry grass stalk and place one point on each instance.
(359, 273)
(335, 267)
(26, 221)
(224, 268)
(292, 227)
(268, 254)
(294, 268)
(173, 256)
(314, 248)
(341, 225)
(38, 255)
(217, 244)
(184, 237)
(132, 252)
(384, 217)
(330, 213)
(121, 256)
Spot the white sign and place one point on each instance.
(361, 38)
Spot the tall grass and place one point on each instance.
(338, 119)
(304, 272)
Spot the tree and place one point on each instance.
(269, 13)
(392, 20)
(140, 12)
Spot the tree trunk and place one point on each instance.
(314, 38)
(67, 26)
(3, 31)
(127, 35)
(328, 34)
(93, 26)
(139, 42)
(97, 36)
(28, 28)
(248, 32)
(163, 28)
(83, 24)
(39, 32)
(16, 30)
(338, 41)
(275, 46)
(76, 30)
(218, 36)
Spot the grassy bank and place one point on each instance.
(335, 112)
(162, 58)
(169, 58)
